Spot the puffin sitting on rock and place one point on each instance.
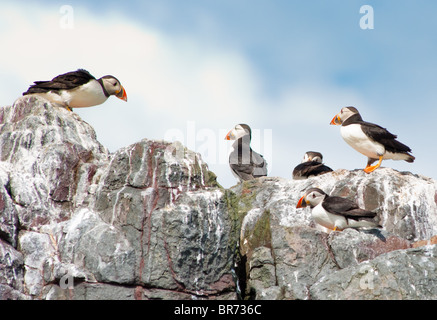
(336, 213)
(78, 89)
(370, 139)
(245, 163)
(312, 165)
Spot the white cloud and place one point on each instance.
(171, 80)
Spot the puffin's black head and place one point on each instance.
(239, 131)
(344, 114)
(113, 87)
(311, 198)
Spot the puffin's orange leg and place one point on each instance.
(369, 169)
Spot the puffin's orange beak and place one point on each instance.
(301, 203)
(122, 94)
(228, 136)
(336, 121)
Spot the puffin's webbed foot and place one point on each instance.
(370, 168)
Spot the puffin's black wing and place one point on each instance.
(257, 166)
(346, 208)
(311, 168)
(383, 136)
(66, 81)
(244, 171)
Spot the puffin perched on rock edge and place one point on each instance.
(312, 165)
(336, 213)
(245, 163)
(78, 89)
(370, 139)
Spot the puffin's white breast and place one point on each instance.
(326, 219)
(357, 139)
(87, 95)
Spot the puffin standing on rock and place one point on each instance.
(373, 141)
(312, 165)
(336, 213)
(245, 163)
(78, 89)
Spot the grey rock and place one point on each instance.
(9, 213)
(97, 247)
(262, 275)
(11, 272)
(352, 247)
(401, 274)
(43, 152)
(148, 221)
(89, 291)
(305, 252)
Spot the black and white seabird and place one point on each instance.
(78, 89)
(245, 163)
(312, 165)
(336, 213)
(373, 141)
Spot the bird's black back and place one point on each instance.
(346, 208)
(310, 168)
(378, 134)
(383, 136)
(66, 81)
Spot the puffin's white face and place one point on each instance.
(237, 133)
(308, 157)
(344, 114)
(114, 87)
(311, 198)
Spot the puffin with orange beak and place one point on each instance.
(78, 89)
(336, 213)
(372, 140)
(245, 163)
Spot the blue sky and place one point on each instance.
(194, 69)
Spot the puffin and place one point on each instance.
(245, 163)
(312, 165)
(370, 139)
(336, 213)
(78, 89)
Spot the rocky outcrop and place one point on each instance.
(150, 222)
(289, 257)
